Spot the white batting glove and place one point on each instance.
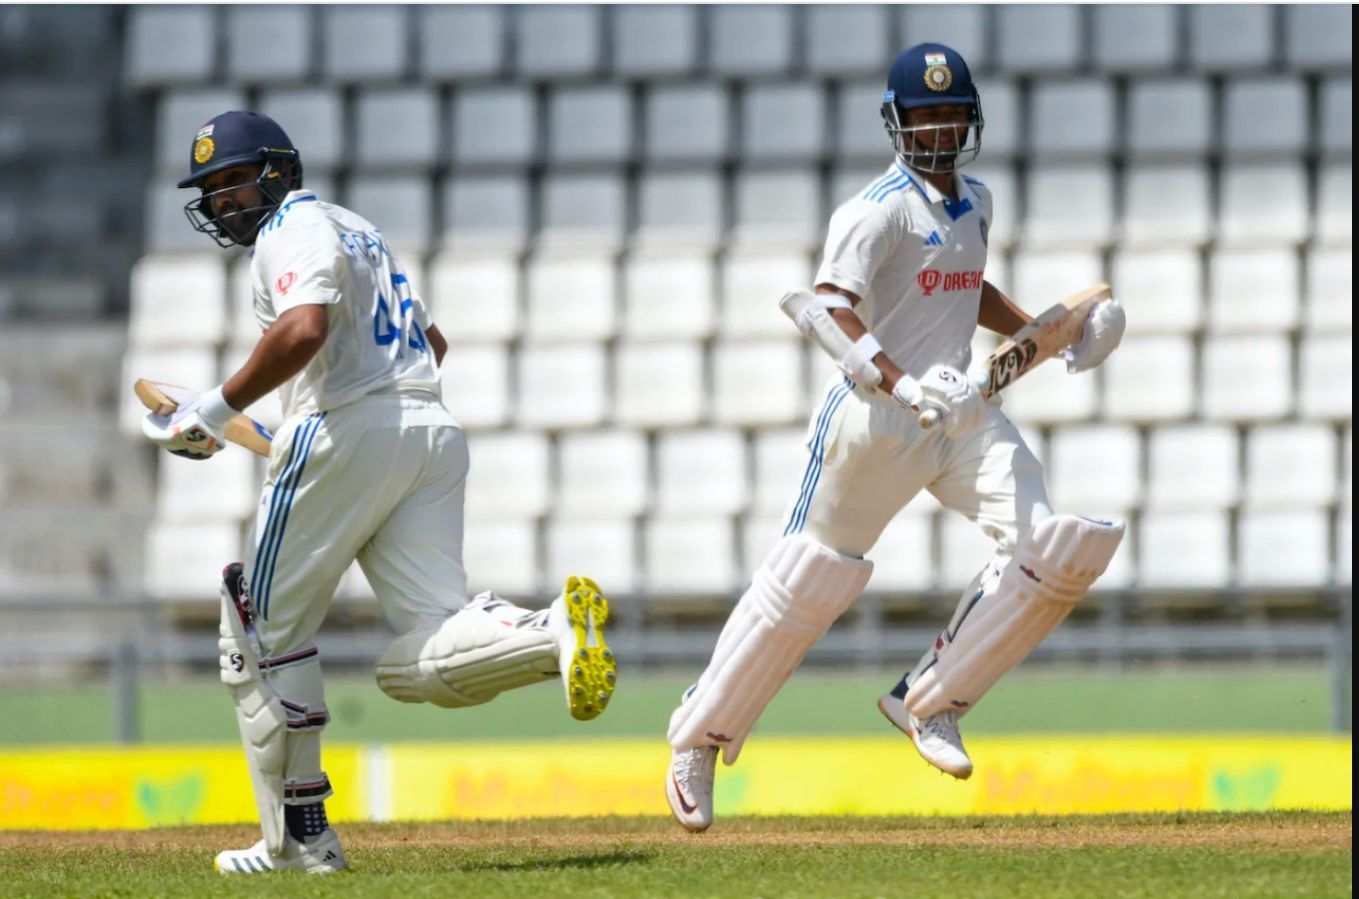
(956, 395)
(1102, 332)
(195, 430)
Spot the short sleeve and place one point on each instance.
(860, 238)
(301, 265)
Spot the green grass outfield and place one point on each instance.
(1153, 856)
(1248, 699)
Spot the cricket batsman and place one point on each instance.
(368, 465)
(898, 296)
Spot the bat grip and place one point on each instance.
(928, 419)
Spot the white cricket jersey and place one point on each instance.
(915, 258)
(311, 252)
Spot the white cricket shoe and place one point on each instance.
(322, 855)
(588, 669)
(936, 738)
(689, 787)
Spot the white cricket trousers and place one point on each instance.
(380, 480)
(868, 458)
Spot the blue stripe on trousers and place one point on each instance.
(818, 451)
(277, 502)
(267, 592)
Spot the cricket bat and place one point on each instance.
(163, 399)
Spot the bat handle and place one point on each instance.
(928, 419)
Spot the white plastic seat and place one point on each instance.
(780, 464)
(589, 124)
(602, 475)
(191, 367)
(687, 122)
(1040, 38)
(1337, 116)
(746, 40)
(1094, 470)
(166, 228)
(1167, 206)
(668, 296)
(179, 115)
(401, 206)
(1171, 116)
(461, 42)
(509, 476)
(1048, 394)
(178, 301)
(701, 473)
(561, 387)
(653, 41)
(1335, 205)
(1231, 36)
(1001, 138)
(1284, 549)
(1265, 117)
(1246, 378)
(1149, 379)
(171, 45)
(1290, 466)
(1193, 467)
(659, 384)
(604, 551)
(758, 382)
(1004, 188)
(476, 384)
(1130, 38)
(1043, 278)
(364, 44)
(1184, 550)
(962, 26)
(1160, 289)
(486, 213)
(571, 296)
(397, 128)
(1326, 377)
(759, 535)
(679, 209)
(1070, 207)
(314, 119)
(268, 45)
(556, 41)
(1253, 291)
(181, 558)
(583, 210)
(784, 121)
(847, 39)
(1318, 36)
(689, 556)
(903, 557)
(502, 556)
(1264, 204)
(184, 495)
(1330, 289)
(963, 550)
(494, 125)
(780, 207)
(474, 298)
(752, 284)
(1072, 118)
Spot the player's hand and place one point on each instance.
(195, 430)
(956, 397)
(1102, 332)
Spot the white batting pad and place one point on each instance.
(796, 594)
(469, 659)
(1050, 572)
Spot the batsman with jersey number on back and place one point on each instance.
(368, 465)
(898, 296)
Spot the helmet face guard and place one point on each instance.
(241, 226)
(924, 158)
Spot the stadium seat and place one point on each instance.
(1318, 37)
(602, 475)
(1048, 394)
(48, 122)
(401, 206)
(561, 387)
(171, 45)
(50, 465)
(1170, 117)
(178, 301)
(751, 287)
(1184, 550)
(1253, 291)
(195, 368)
(509, 476)
(1284, 549)
(184, 496)
(502, 556)
(1134, 38)
(1160, 289)
(1335, 205)
(1070, 207)
(963, 550)
(963, 26)
(178, 554)
(571, 296)
(1231, 37)
(689, 556)
(483, 213)
(557, 41)
(494, 126)
(474, 298)
(679, 209)
(1246, 378)
(1193, 467)
(476, 384)
(758, 536)
(780, 463)
(903, 557)
(602, 550)
(856, 127)
(746, 40)
(1326, 375)
(659, 384)
(701, 472)
(1263, 205)
(461, 42)
(269, 45)
(1040, 38)
(655, 41)
(1004, 124)
(1001, 182)
(1072, 119)
(784, 122)
(364, 44)
(179, 115)
(1337, 116)
(1330, 289)
(583, 211)
(778, 208)
(668, 296)
(847, 39)
(1167, 206)
(1042, 278)
(1095, 470)
(397, 128)
(1266, 117)
(1290, 466)
(589, 124)
(1149, 379)
(314, 118)
(687, 122)
(758, 383)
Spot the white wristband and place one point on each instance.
(862, 352)
(214, 409)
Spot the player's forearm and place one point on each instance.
(854, 328)
(437, 343)
(284, 351)
(998, 312)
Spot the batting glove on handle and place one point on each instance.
(195, 430)
(954, 398)
(1101, 335)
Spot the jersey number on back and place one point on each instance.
(386, 329)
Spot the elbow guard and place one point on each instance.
(811, 313)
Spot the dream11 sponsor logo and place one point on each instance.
(931, 279)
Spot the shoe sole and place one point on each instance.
(910, 732)
(593, 673)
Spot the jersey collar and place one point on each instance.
(956, 209)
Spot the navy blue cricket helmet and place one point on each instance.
(932, 75)
(233, 139)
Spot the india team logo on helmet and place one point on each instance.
(938, 76)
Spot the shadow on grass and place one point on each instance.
(582, 862)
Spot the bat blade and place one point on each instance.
(163, 399)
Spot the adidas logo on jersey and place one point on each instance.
(934, 240)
